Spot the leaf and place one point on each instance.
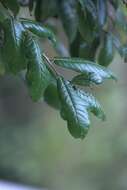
(74, 46)
(102, 12)
(83, 80)
(106, 53)
(123, 52)
(97, 72)
(13, 49)
(31, 5)
(45, 9)
(39, 30)
(123, 6)
(69, 17)
(92, 104)
(13, 5)
(83, 49)
(88, 50)
(37, 76)
(3, 14)
(51, 96)
(118, 45)
(115, 3)
(121, 48)
(75, 105)
(45, 32)
(2, 67)
(121, 21)
(90, 6)
(86, 25)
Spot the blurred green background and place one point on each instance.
(36, 147)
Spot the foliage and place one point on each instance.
(93, 29)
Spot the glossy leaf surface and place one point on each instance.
(13, 48)
(97, 72)
(39, 30)
(75, 106)
(38, 77)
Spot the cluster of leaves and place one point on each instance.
(93, 28)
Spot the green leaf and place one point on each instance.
(86, 25)
(75, 105)
(123, 6)
(115, 3)
(102, 12)
(51, 96)
(92, 104)
(83, 80)
(3, 14)
(106, 53)
(90, 6)
(88, 50)
(69, 17)
(123, 52)
(39, 30)
(31, 5)
(83, 49)
(74, 46)
(121, 21)
(45, 9)
(97, 72)
(2, 66)
(13, 49)
(45, 32)
(119, 46)
(37, 77)
(13, 5)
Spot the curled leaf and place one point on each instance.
(39, 30)
(97, 72)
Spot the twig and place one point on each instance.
(51, 67)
